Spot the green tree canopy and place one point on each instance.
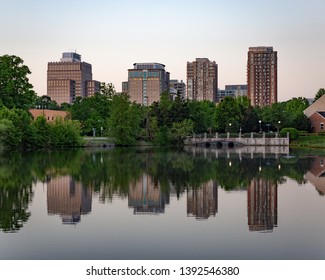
(228, 116)
(15, 89)
(107, 89)
(45, 102)
(319, 93)
(125, 120)
(92, 112)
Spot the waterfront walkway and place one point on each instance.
(230, 140)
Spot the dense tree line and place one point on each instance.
(170, 121)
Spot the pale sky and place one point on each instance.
(112, 35)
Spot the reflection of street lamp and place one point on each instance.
(260, 122)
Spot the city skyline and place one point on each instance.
(110, 36)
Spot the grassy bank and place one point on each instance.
(310, 141)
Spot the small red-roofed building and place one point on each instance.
(50, 115)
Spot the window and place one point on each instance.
(322, 126)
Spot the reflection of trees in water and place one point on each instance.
(15, 192)
(110, 172)
(14, 207)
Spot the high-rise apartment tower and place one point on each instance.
(262, 81)
(202, 80)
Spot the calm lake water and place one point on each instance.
(163, 204)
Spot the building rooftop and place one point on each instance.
(261, 49)
(149, 65)
(70, 57)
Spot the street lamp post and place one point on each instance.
(279, 123)
(260, 122)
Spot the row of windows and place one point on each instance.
(144, 74)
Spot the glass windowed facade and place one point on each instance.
(146, 82)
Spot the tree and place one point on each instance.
(227, 115)
(201, 113)
(9, 137)
(319, 93)
(275, 115)
(41, 132)
(15, 89)
(107, 90)
(248, 116)
(125, 120)
(92, 112)
(17, 124)
(180, 130)
(65, 133)
(46, 102)
(295, 116)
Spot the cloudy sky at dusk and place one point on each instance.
(112, 35)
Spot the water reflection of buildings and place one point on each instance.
(69, 199)
(262, 205)
(146, 197)
(316, 174)
(202, 202)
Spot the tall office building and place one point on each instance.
(202, 80)
(146, 81)
(262, 85)
(70, 78)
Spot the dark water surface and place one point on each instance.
(162, 204)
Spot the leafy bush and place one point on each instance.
(293, 133)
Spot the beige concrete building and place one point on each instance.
(146, 82)
(50, 115)
(202, 80)
(262, 76)
(70, 78)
